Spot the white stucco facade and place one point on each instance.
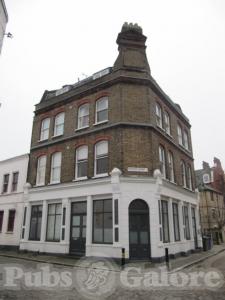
(125, 190)
(3, 21)
(12, 200)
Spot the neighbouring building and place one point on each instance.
(13, 175)
(210, 183)
(111, 166)
(3, 21)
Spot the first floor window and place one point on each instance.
(162, 161)
(180, 135)
(41, 166)
(186, 223)
(5, 183)
(167, 122)
(83, 116)
(186, 142)
(183, 174)
(101, 158)
(102, 221)
(56, 167)
(11, 220)
(15, 181)
(54, 222)
(45, 124)
(189, 177)
(165, 221)
(101, 110)
(176, 222)
(1, 219)
(81, 162)
(35, 223)
(158, 113)
(171, 166)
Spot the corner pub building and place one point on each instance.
(111, 166)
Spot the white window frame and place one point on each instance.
(171, 166)
(41, 168)
(185, 140)
(183, 174)
(59, 124)
(167, 122)
(81, 116)
(189, 177)
(162, 160)
(105, 155)
(180, 135)
(55, 167)
(158, 113)
(44, 134)
(80, 161)
(97, 110)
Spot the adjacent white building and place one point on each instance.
(3, 21)
(13, 173)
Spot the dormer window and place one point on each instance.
(83, 116)
(59, 124)
(158, 112)
(101, 110)
(45, 124)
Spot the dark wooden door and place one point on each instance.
(78, 228)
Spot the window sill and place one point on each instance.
(56, 136)
(80, 179)
(9, 232)
(186, 188)
(54, 182)
(99, 123)
(81, 128)
(39, 185)
(45, 140)
(100, 175)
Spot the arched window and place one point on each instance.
(183, 174)
(158, 112)
(162, 161)
(56, 167)
(41, 167)
(101, 158)
(171, 166)
(189, 177)
(45, 124)
(83, 116)
(101, 110)
(81, 167)
(59, 124)
(167, 122)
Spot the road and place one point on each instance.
(21, 279)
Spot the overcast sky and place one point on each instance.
(56, 41)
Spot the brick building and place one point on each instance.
(111, 165)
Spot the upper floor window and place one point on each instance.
(101, 110)
(81, 162)
(171, 166)
(183, 174)
(167, 122)
(59, 124)
(5, 183)
(158, 112)
(56, 167)
(162, 161)
(83, 116)
(15, 181)
(189, 177)
(45, 124)
(101, 158)
(186, 143)
(180, 135)
(41, 166)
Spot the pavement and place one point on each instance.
(70, 261)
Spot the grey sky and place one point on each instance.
(55, 42)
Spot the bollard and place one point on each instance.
(122, 256)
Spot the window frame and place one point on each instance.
(189, 177)
(81, 161)
(167, 124)
(55, 214)
(102, 156)
(102, 212)
(162, 161)
(171, 167)
(183, 174)
(158, 113)
(79, 122)
(185, 139)
(41, 169)
(1, 219)
(15, 183)
(43, 130)
(56, 126)
(55, 167)
(180, 134)
(165, 217)
(11, 220)
(176, 225)
(97, 111)
(5, 184)
(36, 216)
(187, 233)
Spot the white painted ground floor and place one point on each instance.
(101, 216)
